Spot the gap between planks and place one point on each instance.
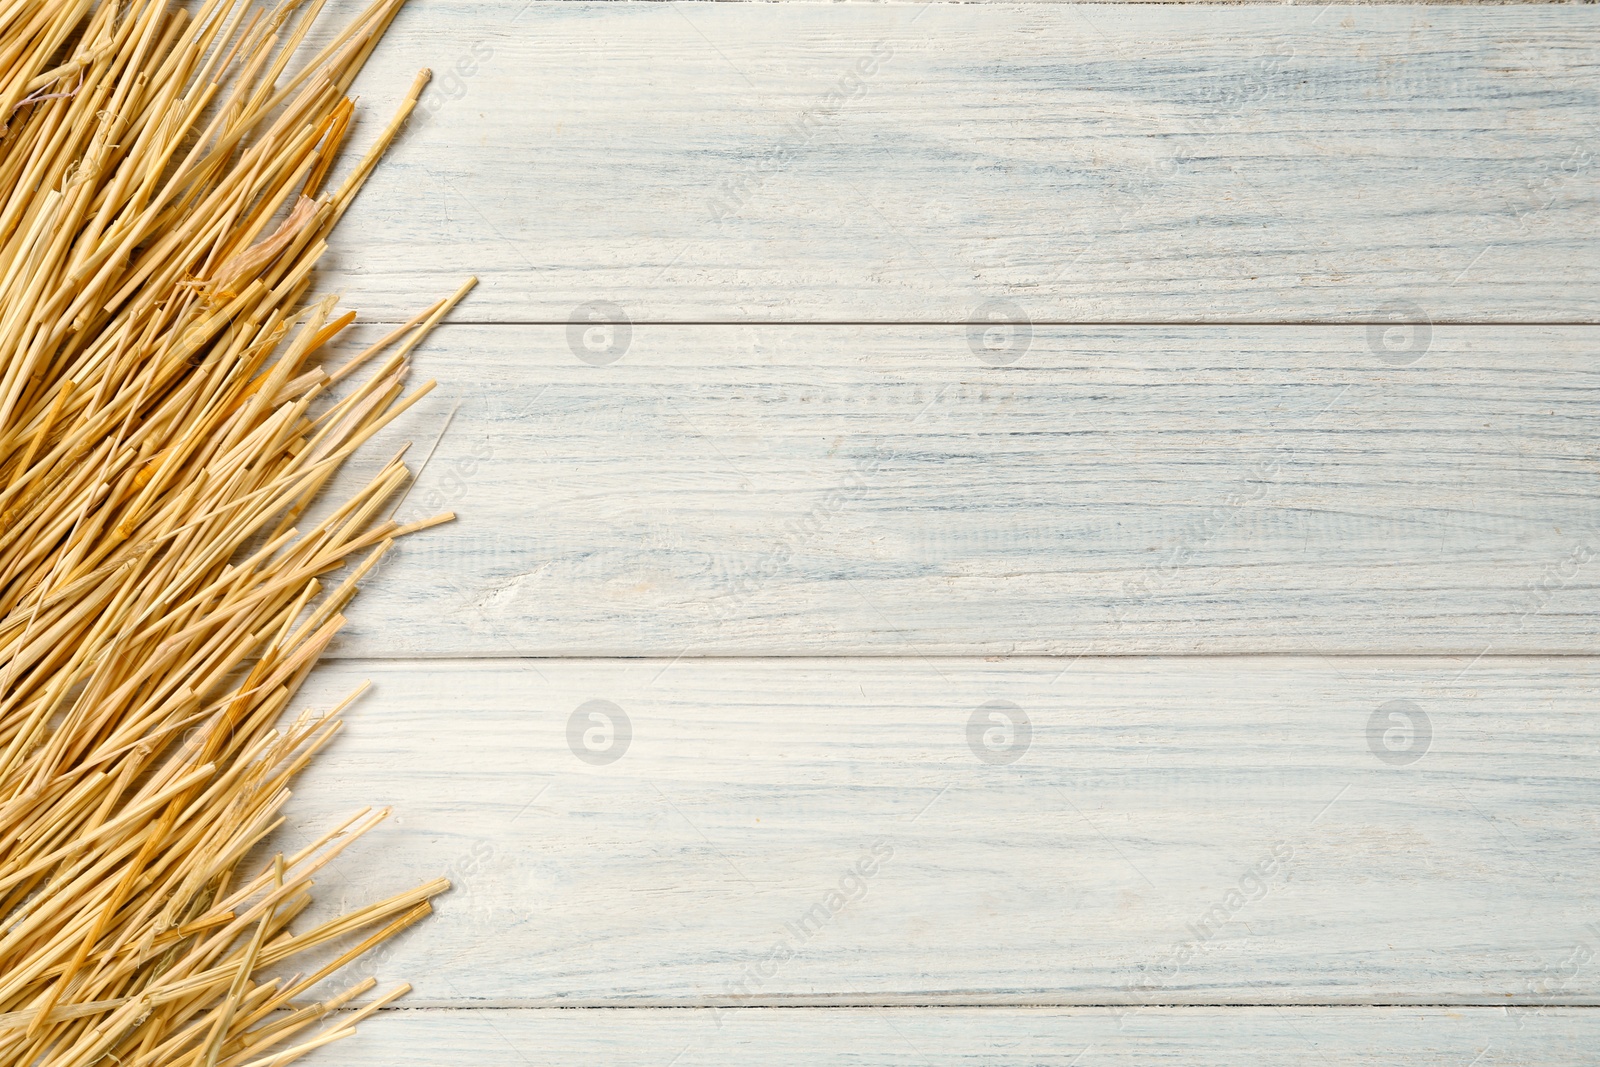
(1085, 323)
(970, 1005)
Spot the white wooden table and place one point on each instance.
(1012, 533)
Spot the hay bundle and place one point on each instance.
(166, 417)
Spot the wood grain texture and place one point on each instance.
(889, 162)
(886, 1037)
(1199, 3)
(1166, 831)
(1278, 860)
(783, 490)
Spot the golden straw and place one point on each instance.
(165, 420)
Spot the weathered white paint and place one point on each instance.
(764, 490)
(1098, 868)
(1043, 1037)
(781, 490)
(1087, 162)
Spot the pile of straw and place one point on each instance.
(166, 417)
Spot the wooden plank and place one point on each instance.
(1205, 3)
(899, 162)
(1043, 1037)
(1131, 832)
(782, 490)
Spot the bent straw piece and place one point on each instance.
(164, 423)
(297, 1019)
